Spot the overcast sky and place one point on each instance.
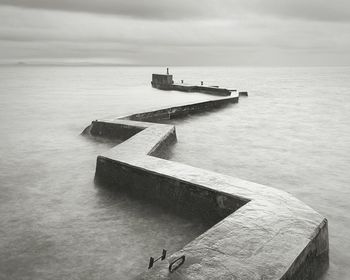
(182, 32)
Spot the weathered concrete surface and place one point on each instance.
(258, 232)
(161, 81)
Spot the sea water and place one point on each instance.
(291, 133)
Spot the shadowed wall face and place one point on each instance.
(186, 200)
(162, 81)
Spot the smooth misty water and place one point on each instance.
(291, 133)
(54, 222)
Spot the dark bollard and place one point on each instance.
(201, 83)
(182, 81)
(167, 71)
(243, 93)
(152, 260)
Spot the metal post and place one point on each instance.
(163, 255)
(153, 260)
(167, 71)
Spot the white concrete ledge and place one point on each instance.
(258, 232)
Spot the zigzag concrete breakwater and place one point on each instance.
(258, 232)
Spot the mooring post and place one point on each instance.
(152, 260)
(201, 83)
(167, 71)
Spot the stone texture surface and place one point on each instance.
(258, 232)
(162, 81)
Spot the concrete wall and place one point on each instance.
(213, 90)
(257, 232)
(120, 131)
(162, 81)
(186, 199)
(313, 262)
(182, 110)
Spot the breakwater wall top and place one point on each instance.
(257, 232)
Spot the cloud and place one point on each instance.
(319, 10)
(150, 9)
(323, 10)
(227, 33)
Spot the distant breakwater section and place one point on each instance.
(166, 82)
(258, 232)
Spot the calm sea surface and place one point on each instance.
(291, 133)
